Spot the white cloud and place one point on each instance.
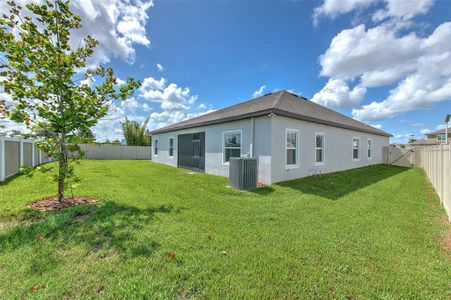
(117, 24)
(333, 8)
(164, 118)
(336, 93)
(418, 124)
(160, 67)
(403, 9)
(428, 85)
(421, 66)
(130, 104)
(399, 9)
(259, 92)
(170, 97)
(425, 131)
(146, 107)
(352, 53)
(378, 126)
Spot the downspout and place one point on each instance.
(251, 150)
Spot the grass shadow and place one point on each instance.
(104, 230)
(338, 184)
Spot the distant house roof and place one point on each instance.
(439, 131)
(280, 103)
(425, 142)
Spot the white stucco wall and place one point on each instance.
(214, 146)
(269, 147)
(338, 149)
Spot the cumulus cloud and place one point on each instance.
(425, 131)
(404, 9)
(259, 92)
(170, 97)
(429, 84)
(117, 24)
(333, 8)
(164, 118)
(400, 9)
(336, 93)
(419, 66)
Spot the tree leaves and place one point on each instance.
(39, 66)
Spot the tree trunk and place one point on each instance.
(62, 167)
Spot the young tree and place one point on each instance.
(39, 64)
(135, 133)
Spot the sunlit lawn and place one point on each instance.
(160, 232)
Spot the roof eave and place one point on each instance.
(276, 112)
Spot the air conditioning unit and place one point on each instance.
(243, 173)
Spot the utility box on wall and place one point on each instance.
(243, 173)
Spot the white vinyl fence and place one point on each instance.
(16, 152)
(436, 161)
(395, 156)
(116, 152)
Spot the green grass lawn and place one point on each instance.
(376, 232)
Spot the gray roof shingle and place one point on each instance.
(281, 103)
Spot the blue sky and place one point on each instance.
(343, 54)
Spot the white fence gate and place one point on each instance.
(398, 156)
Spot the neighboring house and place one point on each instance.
(439, 135)
(290, 136)
(434, 138)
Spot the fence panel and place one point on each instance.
(436, 162)
(116, 152)
(12, 158)
(17, 151)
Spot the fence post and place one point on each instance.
(32, 154)
(20, 151)
(442, 166)
(2, 159)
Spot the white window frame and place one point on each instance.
(369, 146)
(294, 166)
(169, 147)
(321, 163)
(155, 147)
(358, 148)
(444, 135)
(223, 144)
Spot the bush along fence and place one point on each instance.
(16, 152)
(436, 161)
(93, 151)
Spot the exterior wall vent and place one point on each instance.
(243, 173)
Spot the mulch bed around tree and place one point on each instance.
(52, 204)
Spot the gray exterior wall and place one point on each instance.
(214, 145)
(338, 149)
(269, 147)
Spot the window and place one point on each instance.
(232, 145)
(355, 148)
(319, 148)
(155, 147)
(291, 147)
(171, 147)
(369, 148)
(441, 137)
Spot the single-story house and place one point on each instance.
(290, 136)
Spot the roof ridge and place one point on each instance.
(279, 99)
(336, 112)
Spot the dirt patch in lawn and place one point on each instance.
(52, 204)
